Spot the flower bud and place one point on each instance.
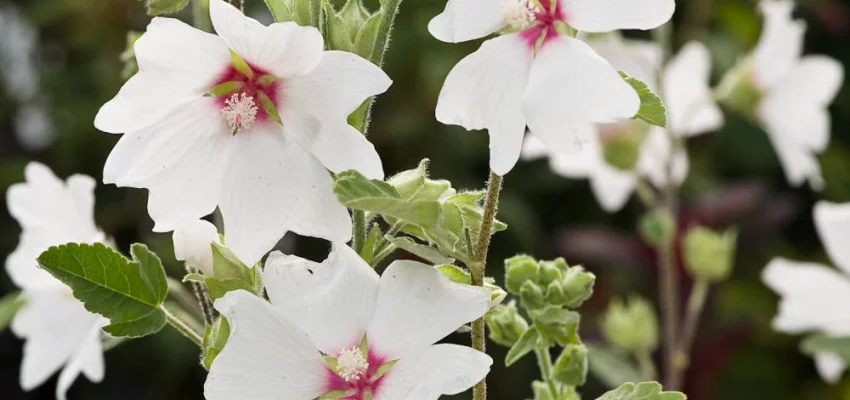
(622, 142)
(738, 91)
(531, 295)
(632, 325)
(577, 286)
(552, 271)
(571, 366)
(518, 271)
(415, 183)
(557, 324)
(656, 227)
(709, 255)
(506, 325)
(192, 244)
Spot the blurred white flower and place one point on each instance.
(538, 76)
(193, 244)
(261, 148)
(58, 330)
(690, 111)
(814, 297)
(329, 311)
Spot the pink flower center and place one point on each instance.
(246, 105)
(541, 21)
(355, 374)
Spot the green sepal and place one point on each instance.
(214, 340)
(199, 278)
(226, 88)
(337, 394)
(382, 370)
(269, 108)
(241, 65)
(652, 110)
(267, 79)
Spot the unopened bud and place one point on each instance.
(621, 147)
(557, 324)
(632, 325)
(656, 227)
(709, 255)
(552, 271)
(577, 286)
(532, 296)
(738, 90)
(571, 366)
(192, 244)
(518, 271)
(506, 325)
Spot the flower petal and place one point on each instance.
(181, 159)
(285, 49)
(331, 302)
(417, 306)
(265, 358)
(833, 224)
(317, 105)
(176, 62)
(780, 45)
(654, 156)
(569, 87)
(611, 15)
(88, 360)
(483, 91)
(192, 244)
(830, 366)
(690, 107)
(612, 187)
(812, 296)
(273, 186)
(638, 58)
(442, 369)
(800, 164)
(464, 20)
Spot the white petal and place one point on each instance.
(181, 159)
(690, 107)
(830, 366)
(612, 187)
(332, 302)
(814, 297)
(833, 224)
(610, 15)
(638, 58)
(417, 306)
(176, 63)
(484, 91)
(274, 186)
(569, 87)
(88, 360)
(315, 109)
(533, 148)
(192, 244)
(285, 49)
(581, 164)
(654, 156)
(443, 369)
(464, 20)
(793, 130)
(265, 358)
(780, 45)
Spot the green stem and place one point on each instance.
(201, 15)
(544, 362)
(696, 303)
(358, 223)
(183, 326)
(647, 367)
(183, 297)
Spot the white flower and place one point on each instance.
(793, 93)
(195, 152)
(558, 89)
(58, 330)
(276, 349)
(690, 111)
(815, 297)
(193, 244)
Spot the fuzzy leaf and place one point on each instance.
(641, 391)
(529, 340)
(426, 252)
(652, 110)
(375, 196)
(162, 7)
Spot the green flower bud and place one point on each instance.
(709, 255)
(506, 325)
(622, 144)
(531, 295)
(577, 286)
(555, 294)
(632, 325)
(415, 183)
(656, 227)
(571, 366)
(541, 391)
(557, 324)
(551, 271)
(518, 270)
(738, 91)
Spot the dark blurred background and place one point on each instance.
(59, 61)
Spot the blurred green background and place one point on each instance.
(59, 61)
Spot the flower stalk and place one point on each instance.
(184, 326)
(696, 304)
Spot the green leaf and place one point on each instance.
(373, 237)
(641, 391)
(375, 196)
(214, 340)
(426, 252)
(838, 345)
(10, 304)
(364, 43)
(455, 274)
(218, 288)
(526, 343)
(129, 293)
(652, 110)
(612, 367)
(161, 7)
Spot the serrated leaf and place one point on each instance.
(652, 110)
(525, 344)
(421, 250)
(641, 391)
(162, 7)
(612, 367)
(355, 191)
(10, 304)
(128, 293)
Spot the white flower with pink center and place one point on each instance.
(59, 332)
(249, 121)
(337, 327)
(539, 76)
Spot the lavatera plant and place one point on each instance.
(266, 125)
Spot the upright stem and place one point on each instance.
(358, 223)
(485, 232)
(696, 303)
(184, 327)
(544, 362)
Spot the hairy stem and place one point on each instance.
(183, 325)
(696, 303)
(358, 224)
(544, 362)
(183, 297)
(477, 269)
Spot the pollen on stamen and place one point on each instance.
(519, 13)
(351, 364)
(240, 111)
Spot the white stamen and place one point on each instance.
(519, 13)
(239, 111)
(351, 365)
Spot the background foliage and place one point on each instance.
(60, 59)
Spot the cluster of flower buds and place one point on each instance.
(547, 283)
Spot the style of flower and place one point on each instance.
(338, 329)
(193, 244)
(59, 332)
(539, 75)
(787, 93)
(248, 121)
(814, 297)
(617, 155)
